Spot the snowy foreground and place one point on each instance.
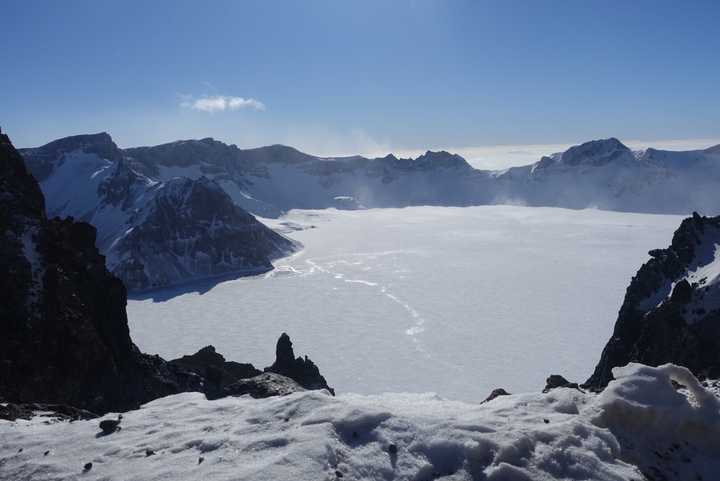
(640, 422)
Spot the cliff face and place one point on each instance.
(65, 335)
(671, 311)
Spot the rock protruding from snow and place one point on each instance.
(494, 394)
(671, 311)
(263, 385)
(555, 381)
(302, 370)
(215, 370)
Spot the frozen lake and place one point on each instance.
(456, 301)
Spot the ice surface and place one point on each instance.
(640, 421)
(457, 301)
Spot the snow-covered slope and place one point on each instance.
(153, 233)
(600, 173)
(640, 427)
(270, 180)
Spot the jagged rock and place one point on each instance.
(555, 381)
(214, 369)
(302, 370)
(65, 337)
(496, 393)
(671, 310)
(263, 385)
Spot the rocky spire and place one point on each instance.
(302, 370)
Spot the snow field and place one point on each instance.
(564, 434)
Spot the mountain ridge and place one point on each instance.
(146, 242)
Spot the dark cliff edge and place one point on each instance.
(667, 314)
(64, 332)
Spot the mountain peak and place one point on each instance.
(441, 158)
(101, 143)
(596, 152)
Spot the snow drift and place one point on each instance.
(640, 427)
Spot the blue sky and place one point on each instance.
(337, 77)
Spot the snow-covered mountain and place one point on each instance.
(606, 174)
(154, 233)
(602, 173)
(273, 179)
(90, 178)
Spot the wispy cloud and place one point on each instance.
(220, 103)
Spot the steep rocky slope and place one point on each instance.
(153, 233)
(671, 311)
(65, 336)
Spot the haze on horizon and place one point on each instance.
(500, 83)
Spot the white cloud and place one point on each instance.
(220, 103)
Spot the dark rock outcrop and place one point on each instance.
(13, 411)
(670, 313)
(216, 372)
(495, 393)
(65, 336)
(302, 370)
(555, 381)
(263, 385)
